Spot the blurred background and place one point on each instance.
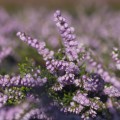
(69, 5)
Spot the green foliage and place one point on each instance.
(59, 54)
(28, 66)
(16, 99)
(65, 95)
(82, 70)
(25, 67)
(51, 78)
(15, 96)
(24, 50)
(67, 98)
(25, 89)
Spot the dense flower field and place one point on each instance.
(68, 73)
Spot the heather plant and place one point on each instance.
(70, 82)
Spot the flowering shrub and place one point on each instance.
(70, 81)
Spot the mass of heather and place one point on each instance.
(50, 70)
